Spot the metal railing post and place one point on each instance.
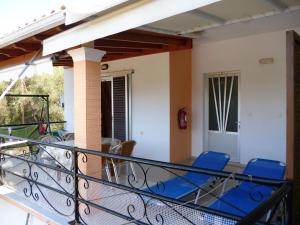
(290, 206)
(76, 190)
(1, 170)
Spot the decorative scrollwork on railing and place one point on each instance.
(156, 188)
(255, 193)
(84, 159)
(133, 180)
(139, 198)
(168, 212)
(44, 154)
(137, 209)
(86, 210)
(29, 178)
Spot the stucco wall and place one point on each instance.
(150, 104)
(262, 91)
(69, 99)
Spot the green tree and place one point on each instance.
(27, 110)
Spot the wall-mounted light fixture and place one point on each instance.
(104, 66)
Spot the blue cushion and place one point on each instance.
(179, 187)
(247, 196)
(265, 168)
(190, 182)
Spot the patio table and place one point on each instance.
(59, 154)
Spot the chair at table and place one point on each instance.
(126, 149)
(107, 161)
(245, 197)
(68, 136)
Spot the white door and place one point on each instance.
(222, 114)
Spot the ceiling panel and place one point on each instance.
(237, 9)
(181, 22)
(219, 12)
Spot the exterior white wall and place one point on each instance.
(69, 99)
(262, 91)
(150, 104)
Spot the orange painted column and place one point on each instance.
(180, 98)
(87, 105)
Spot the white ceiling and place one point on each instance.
(232, 14)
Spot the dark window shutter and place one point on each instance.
(119, 106)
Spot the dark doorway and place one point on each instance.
(106, 109)
(293, 119)
(119, 107)
(114, 106)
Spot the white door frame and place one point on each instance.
(108, 76)
(206, 107)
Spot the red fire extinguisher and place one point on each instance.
(182, 118)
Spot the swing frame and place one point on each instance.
(45, 98)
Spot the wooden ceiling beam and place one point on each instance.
(111, 56)
(124, 44)
(118, 50)
(59, 29)
(127, 44)
(4, 56)
(146, 38)
(26, 47)
(67, 64)
(39, 37)
(17, 60)
(11, 52)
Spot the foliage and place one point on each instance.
(16, 110)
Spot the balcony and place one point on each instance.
(61, 186)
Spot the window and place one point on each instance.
(223, 103)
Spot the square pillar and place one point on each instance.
(87, 104)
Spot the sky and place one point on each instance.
(15, 13)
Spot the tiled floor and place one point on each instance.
(12, 215)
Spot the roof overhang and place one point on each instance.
(139, 13)
(38, 27)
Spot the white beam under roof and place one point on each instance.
(76, 11)
(207, 16)
(158, 30)
(278, 4)
(132, 16)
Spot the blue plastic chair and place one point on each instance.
(247, 196)
(181, 186)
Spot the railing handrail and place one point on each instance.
(120, 186)
(223, 174)
(75, 172)
(217, 173)
(28, 124)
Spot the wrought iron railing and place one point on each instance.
(67, 184)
